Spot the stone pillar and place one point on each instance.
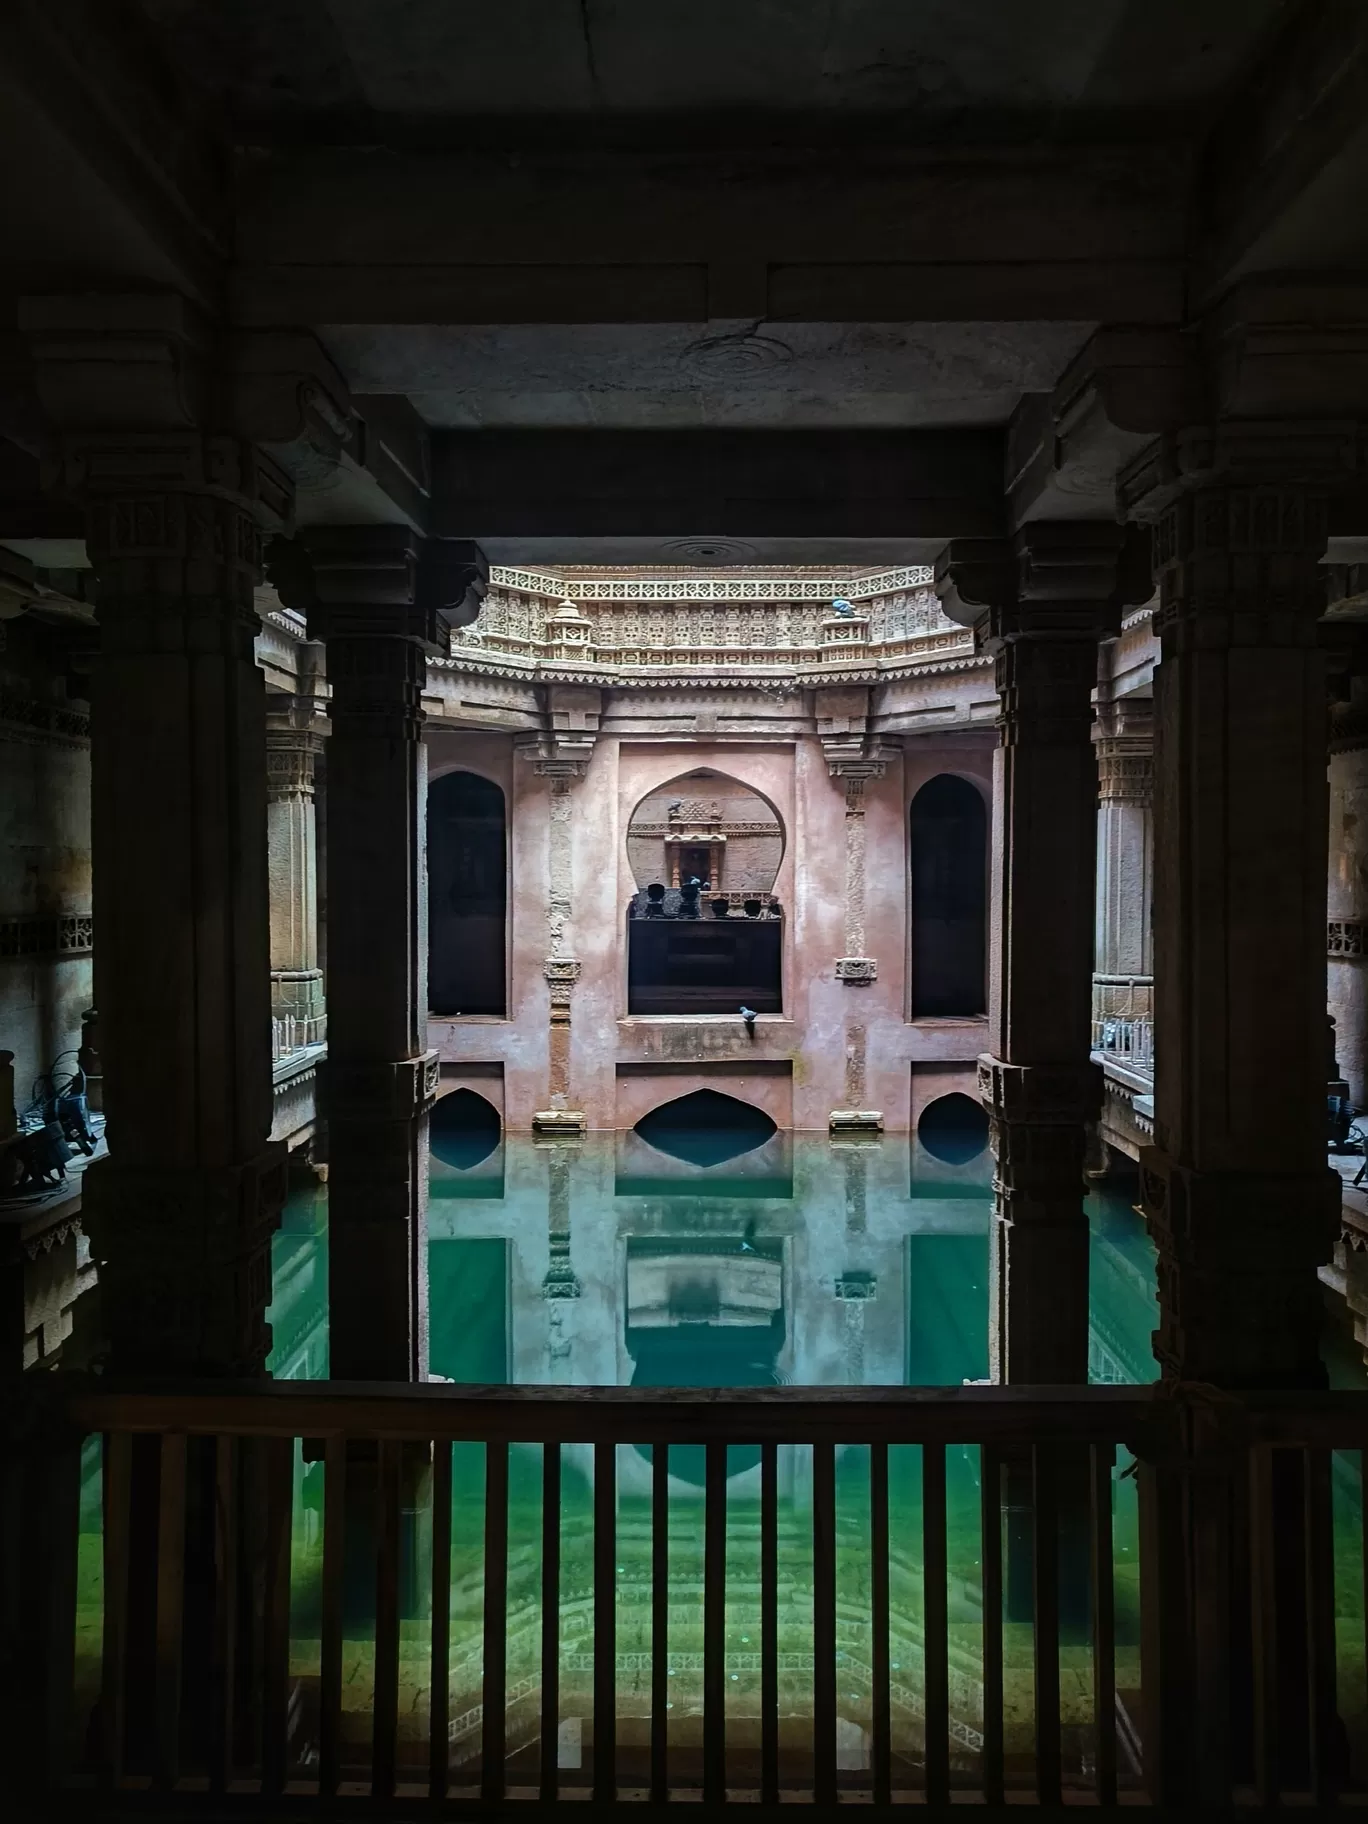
(1123, 982)
(1347, 900)
(1236, 1190)
(382, 600)
(183, 449)
(294, 741)
(1041, 603)
(181, 1214)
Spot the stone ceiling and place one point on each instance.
(292, 70)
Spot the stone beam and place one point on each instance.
(357, 235)
(750, 484)
(1284, 171)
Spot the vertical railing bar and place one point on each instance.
(605, 1622)
(493, 1732)
(660, 1623)
(385, 1706)
(439, 1699)
(170, 1619)
(118, 1486)
(1104, 1623)
(714, 1622)
(880, 1716)
(330, 1620)
(1263, 1596)
(1045, 1624)
(226, 1454)
(824, 1623)
(935, 1626)
(1320, 1622)
(550, 1621)
(278, 1454)
(990, 1553)
(769, 1624)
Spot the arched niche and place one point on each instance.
(708, 825)
(463, 1129)
(954, 1128)
(706, 1128)
(467, 852)
(948, 845)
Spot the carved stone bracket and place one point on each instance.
(380, 582)
(857, 1285)
(1124, 739)
(856, 971)
(1052, 580)
(382, 1092)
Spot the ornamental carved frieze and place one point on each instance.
(47, 934)
(1345, 938)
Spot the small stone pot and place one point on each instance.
(720, 907)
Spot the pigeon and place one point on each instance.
(748, 1015)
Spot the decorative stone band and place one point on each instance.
(692, 588)
(1344, 937)
(1055, 1095)
(381, 1092)
(47, 934)
(38, 724)
(856, 971)
(1125, 773)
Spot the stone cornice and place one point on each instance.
(721, 589)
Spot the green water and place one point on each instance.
(803, 1262)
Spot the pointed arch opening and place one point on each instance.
(467, 853)
(463, 1129)
(948, 844)
(706, 1128)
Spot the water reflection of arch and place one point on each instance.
(948, 898)
(467, 856)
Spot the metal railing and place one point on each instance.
(289, 1035)
(209, 1670)
(1128, 1041)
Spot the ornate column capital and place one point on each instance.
(1052, 580)
(380, 583)
(295, 729)
(1123, 736)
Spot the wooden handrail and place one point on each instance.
(997, 1416)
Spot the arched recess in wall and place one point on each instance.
(705, 932)
(467, 850)
(948, 844)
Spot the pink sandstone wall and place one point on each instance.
(833, 1039)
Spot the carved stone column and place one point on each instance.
(1346, 946)
(1041, 603)
(184, 449)
(560, 755)
(1123, 984)
(382, 600)
(294, 742)
(1236, 1189)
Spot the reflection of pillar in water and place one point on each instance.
(855, 1290)
(559, 1282)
